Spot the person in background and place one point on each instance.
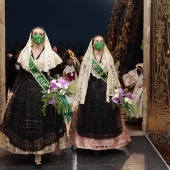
(76, 63)
(54, 48)
(70, 73)
(80, 57)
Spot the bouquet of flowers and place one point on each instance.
(55, 95)
(123, 99)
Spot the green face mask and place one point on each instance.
(99, 45)
(38, 39)
(141, 46)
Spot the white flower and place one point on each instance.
(116, 95)
(58, 85)
(116, 90)
(130, 101)
(66, 87)
(126, 99)
(62, 91)
(53, 81)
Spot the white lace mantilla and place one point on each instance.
(48, 59)
(86, 69)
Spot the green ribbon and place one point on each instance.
(39, 77)
(65, 108)
(100, 72)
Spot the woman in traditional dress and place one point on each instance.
(97, 125)
(24, 129)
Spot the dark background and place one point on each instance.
(73, 21)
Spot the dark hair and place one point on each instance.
(53, 46)
(16, 52)
(95, 37)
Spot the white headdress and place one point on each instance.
(48, 60)
(85, 70)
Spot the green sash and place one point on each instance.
(64, 107)
(39, 77)
(96, 67)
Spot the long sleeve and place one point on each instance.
(20, 75)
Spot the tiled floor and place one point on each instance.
(137, 155)
(135, 129)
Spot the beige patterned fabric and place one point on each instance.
(48, 60)
(86, 69)
(130, 78)
(137, 96)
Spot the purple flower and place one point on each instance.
(116, 99)
(53, 85)
(62, 83)
(60, 80)
(121, 91)
(67, 79)
(51, 101)
(129, 96)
